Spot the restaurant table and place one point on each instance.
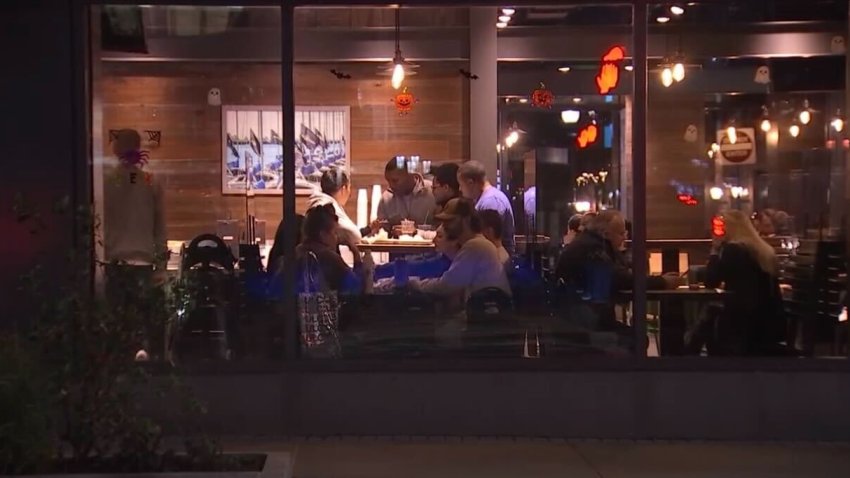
(397, 247)
(673, 323)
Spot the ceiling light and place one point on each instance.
(576, 100)
(662, 19)
(398, 75)
(666, 76)
(837, 124)
(805, 117)
(677, 10)
(508, 11)
(794, 130)
(629, 67)
(715, 147)
(732, 134)
(523, 100)
(564, 69)
(570, 116)
(765, 125)
(678, 71)
(582, 206)
(716, 193)
(501, 25)
(504, 18)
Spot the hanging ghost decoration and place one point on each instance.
(214, 97)
(691, 134)
(762, 75)
(837, 46)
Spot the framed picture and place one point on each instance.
(252, 149)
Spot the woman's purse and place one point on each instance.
(318, 313)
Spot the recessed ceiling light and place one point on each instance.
(662, 19)
(564, 69)
(504, 18)
(508, 11)
(501, 25)
(629, 67)
(576, 100)
(677, 10)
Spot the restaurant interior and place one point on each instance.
(745, 109)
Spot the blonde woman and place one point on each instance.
(752, 322)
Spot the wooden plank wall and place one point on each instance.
(172, 98)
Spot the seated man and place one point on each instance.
(476, 266)
(491, 228)
(593, 268)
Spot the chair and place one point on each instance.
(492, 328)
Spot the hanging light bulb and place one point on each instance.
(765, 125)
(398, 75)
(805, 113)
(794, 130)
(678, 71)
(837, 124)
(732, 134)
(666, 77)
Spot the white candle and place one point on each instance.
(362, 208)
(376, 199)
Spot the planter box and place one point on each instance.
(277, 465)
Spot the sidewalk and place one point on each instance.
(507, 458)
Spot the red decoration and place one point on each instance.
(609, 70)
(541, 97)
(718, 227)
(587, 136)
(404, 101)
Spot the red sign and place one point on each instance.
(609, 70)
(718, 227)
(687, 199)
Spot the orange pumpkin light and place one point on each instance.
(542, 97)
(404, 101)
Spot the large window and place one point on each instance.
(745, 173)
(188, 181)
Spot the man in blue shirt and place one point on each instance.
(474, 185)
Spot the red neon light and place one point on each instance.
(687, 199)
(609, 70)
(718, 227)
(587, 136)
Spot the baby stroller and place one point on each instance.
(207, 301)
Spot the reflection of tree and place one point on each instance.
(593, 185)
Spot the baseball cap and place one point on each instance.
(456, 207)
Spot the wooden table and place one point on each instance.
(397, 247)
(673, 323)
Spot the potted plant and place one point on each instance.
(70, 380)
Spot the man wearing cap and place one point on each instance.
(474, 184)
(477, 265)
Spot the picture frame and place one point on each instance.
(252, 147)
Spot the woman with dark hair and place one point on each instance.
(336, 190)
(320, 232)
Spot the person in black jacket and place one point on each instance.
(592, 267)
(752, 321)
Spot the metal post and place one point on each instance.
(287, 66)
(639, 174)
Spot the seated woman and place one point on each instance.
(427, 266)
(752, 322)
(491, 228)
(320, 233)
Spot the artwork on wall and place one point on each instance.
(252, 147)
